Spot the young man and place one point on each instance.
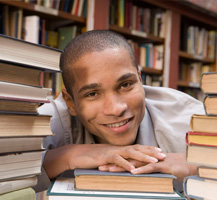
(108, 119)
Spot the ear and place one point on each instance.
(69, 102)
(140, 76)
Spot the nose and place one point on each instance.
(114, 105)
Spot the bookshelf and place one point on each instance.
(56, 24)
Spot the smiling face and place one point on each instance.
(108, 96)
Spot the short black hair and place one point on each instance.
(91, 41)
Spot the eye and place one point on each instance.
(91, 94)
(125, 85)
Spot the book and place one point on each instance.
(208, 82)
(13, 106)
(17, 184)
(63, 188)
(207, 172)
(203, 123)
(21, 75)
(16, 165)
(29, 54)
(199, 188)
(13, 91)
(204, 139)
(92, 179)
(20, 144)
(210, 105)
(24, 194)
(201, 155)
(24, 125)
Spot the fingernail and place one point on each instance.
(134, 171)
(132, 167)
(101, 168)
(154, 160)
(161, 155)
(158, 149)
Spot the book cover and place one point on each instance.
(24, 125)
(14, 165)
(17, 184)
(207, 172)
(203, 123)
(208, 83)
(201, 155)
(199, 188)
(202, 139)
(49, 57)
(210, 105)
(63, 188)
(93, 179)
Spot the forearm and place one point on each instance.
(56, 160)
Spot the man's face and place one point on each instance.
(108, 96)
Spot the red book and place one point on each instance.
(201, 139)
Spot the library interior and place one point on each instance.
(174, 42)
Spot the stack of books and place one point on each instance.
(22, 129)
(202, 144)
(94, 184)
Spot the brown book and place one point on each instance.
(24, 125)
(210, 105)
(203, 123)
(201, 155)
(93, 179)
(207, 172)
(18, 106)
(208, 82)
(22, 75)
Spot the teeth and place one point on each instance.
(117, 124)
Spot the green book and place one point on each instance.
(24, 194)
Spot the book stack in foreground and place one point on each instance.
(202, 144)
(22, 129)
(94, 184)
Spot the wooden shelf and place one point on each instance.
(45, 12)
(188, 84)
(148, 70)
(138, 36)
(187, 56)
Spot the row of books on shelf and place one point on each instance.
(33, 28)
(74, 7)
(126, 14)
(199, 42)
(201, 144)
(149, 55)
(152, 80)
(22, 127)
(191, 72)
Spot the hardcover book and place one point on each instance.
(207, 172)
(201, 155)
(26, 53)
(203, 123)
(203, 139)
(92, 179)
(208, 82)
(199, 188)
(63, 188)
(210, 105)
(24, 125)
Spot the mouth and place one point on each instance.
(118, 124)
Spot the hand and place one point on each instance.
(174, 163)
(94, 155)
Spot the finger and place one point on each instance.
(149, 168)
(140, 156)
(121, 162)
(151, 151)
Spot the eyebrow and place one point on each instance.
(89, 87)
(126, 76)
